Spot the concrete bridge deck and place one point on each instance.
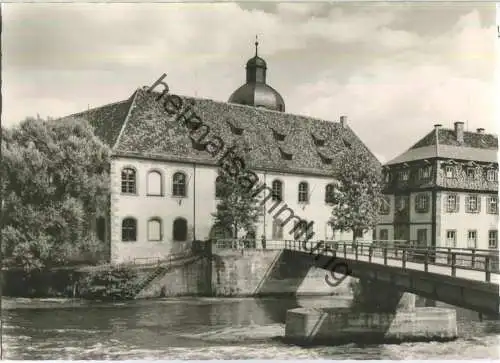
(438, 276)
(460, 277)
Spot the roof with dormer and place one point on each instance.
(476, 146)
(276, 141)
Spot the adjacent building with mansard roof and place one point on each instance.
(163, 186)
(443, 191)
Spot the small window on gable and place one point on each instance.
(347, 144)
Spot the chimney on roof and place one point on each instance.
(437, 126)
(459, 131)
(343, 120)
(480, 131)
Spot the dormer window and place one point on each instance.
(286, 154)
(318, 140)
(278, 136)
(347, 144)
(324, 158)
(197, 145)
(235, 127)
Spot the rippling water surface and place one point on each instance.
(202, 328)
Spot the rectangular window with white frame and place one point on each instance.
(424, 173)
(452, 203)
(404, 175)
(492, 175)
(471, 173)
(472, 238)
(493, 238)
(451, 238)
(493, 204)
(421, 203)
(473, 203)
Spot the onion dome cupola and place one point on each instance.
(255, 92)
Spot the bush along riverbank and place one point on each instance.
(115, 283)
(110, 283)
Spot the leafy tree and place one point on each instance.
(356, 194)
(55, 178)
(113, 283)
(238, 208)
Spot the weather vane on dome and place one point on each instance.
(256, 44)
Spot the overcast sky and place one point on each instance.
(394, 70)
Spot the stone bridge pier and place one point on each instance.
(376, 297)
(379, 313)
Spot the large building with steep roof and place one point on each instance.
(443, 191)
(163, 184)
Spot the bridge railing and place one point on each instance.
(486, 261)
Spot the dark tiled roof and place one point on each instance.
(108, 120)
(150, 132)
(447, 137)
(477, 147)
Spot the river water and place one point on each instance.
(202, 328)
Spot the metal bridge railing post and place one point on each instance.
(385, 254)
(356, 250)
(370, 252)
(473, 262)
(487, 268)
(426, 261)
(453, 264)
(345, 250)
(403, 259)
